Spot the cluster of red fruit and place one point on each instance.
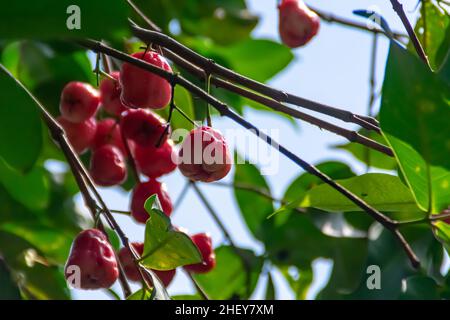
(297, 23)
(133, 131)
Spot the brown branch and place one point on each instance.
(210, 67)
(329, 17)
(224, 110)
(398, 8)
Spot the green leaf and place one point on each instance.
(431, 29)
(8, 288)
(141, 295)
(165, 248)
(258, 59)
(301, 283)
(383, 192)
(187, 297)
(414, 112)
(419, 288)
(254, 208)
(31, 189)
(442, 231)
(20, 124)
(229, 279)
(49, 19)
(270, 289)
(183, 100)
(52, 242)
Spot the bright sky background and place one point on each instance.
(332, 69)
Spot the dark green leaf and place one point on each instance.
(8, 288)
(49, 19)
(419, 288)
(20, 124)
(254, 208)
(229, 279)
(270, 289)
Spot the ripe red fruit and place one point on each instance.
(204, 155)
(110, 91)
(95, 258)
(155, 162)
(108, 132)
(143, 89)
(79, 101)
(132, 272)
(108, 166)
(144, 127)
(204, 244)
(142, 192)
(81, 134)
(297, 23)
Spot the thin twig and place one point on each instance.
(224, 110)
(200, 291)
(329, 17)
(218, 70)
(225, 232)
(398, 8)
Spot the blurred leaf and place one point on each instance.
(383, 192)
(419, 288)
(414, 112)
(431, 29)
(254, 208)
(229, 279)
(30, 189)
(442, 232)
(257, 58)
(45, 69)
(187, 297)
(53, 243)
(49, 19)
(38, 281)
(8, 288)
(300, 284)
(369, 156)
(165, 248)
(19, 148)
(270, 289)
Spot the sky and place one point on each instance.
(332, 69)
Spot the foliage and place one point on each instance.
(38, 217)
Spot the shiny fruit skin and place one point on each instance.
(204, 155)
(108, 166)
(80, 135)
(79, 101)
(155, 162)
(143, 89)
(95, 258)
(144, 127)
(108, 132)
(204, 244)
(110, 92)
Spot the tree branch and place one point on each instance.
(210, 67)
(398, 8)
(227, 112)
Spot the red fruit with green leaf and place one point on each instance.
(142, 192)
(132, 272)
(203, 242)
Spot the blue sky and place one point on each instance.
(332, 69)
